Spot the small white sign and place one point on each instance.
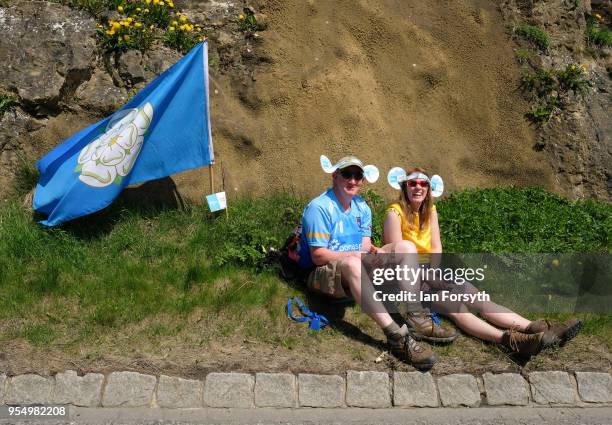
(217, 201)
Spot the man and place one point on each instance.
(336, 230)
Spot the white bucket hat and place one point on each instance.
(370, 172)
(397, 175)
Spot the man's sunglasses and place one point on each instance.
(349, 174)
(420, 183)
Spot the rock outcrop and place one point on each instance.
(578, 139)
(48, 51)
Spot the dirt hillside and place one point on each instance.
(396, 82)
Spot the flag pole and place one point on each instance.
(212, 178)
(223, 186)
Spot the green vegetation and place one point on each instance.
(247, 21)
(144, 21)
(181, 36)
(141, 23)
(522, 55)
(158, 13)
(6, 101)
(100, 274)
(95, 7)
(535, 35)
(124, 266)
(597, 34)
(542, 82)
(126, 35)
(572, 78)
(549, 89)
(100, 7)
(523, 220)
(377, 203)
(539, 114)
(26, 177)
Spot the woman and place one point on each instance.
(414, 218)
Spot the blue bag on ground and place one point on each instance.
(315, 321)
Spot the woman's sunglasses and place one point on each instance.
(348, 174)
(420, 183)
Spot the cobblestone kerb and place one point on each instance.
(366, 389)
(128, 389)
(506, 389)
(553, 388)
(459, 390)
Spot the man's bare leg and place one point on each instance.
(350, 270)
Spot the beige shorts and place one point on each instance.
(326, 280)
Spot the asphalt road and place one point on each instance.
(422, 416)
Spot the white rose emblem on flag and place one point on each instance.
(110, 157)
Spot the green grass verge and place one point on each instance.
(517, 220)
(523, 220)
(125, 266)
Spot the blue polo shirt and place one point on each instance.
(325, 224)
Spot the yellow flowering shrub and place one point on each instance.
(144, 21)
(247, 21)
(183, 37)
(125, 35)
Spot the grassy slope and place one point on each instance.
(153, 273)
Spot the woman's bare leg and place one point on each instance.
(497, 314)
(508, 320)
(475, 326)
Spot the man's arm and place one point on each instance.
(367, 246)
(321, 256)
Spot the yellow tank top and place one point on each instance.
(420, 238)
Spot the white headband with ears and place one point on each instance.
(370, 172)
(397, 175)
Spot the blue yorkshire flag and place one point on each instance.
(163, 130)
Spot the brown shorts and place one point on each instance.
(326, 280)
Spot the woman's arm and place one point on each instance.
(392, 228)
(436, 242)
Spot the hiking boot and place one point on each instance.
(562, 331)
(522, 343)
(407, 349)
(427, 327)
